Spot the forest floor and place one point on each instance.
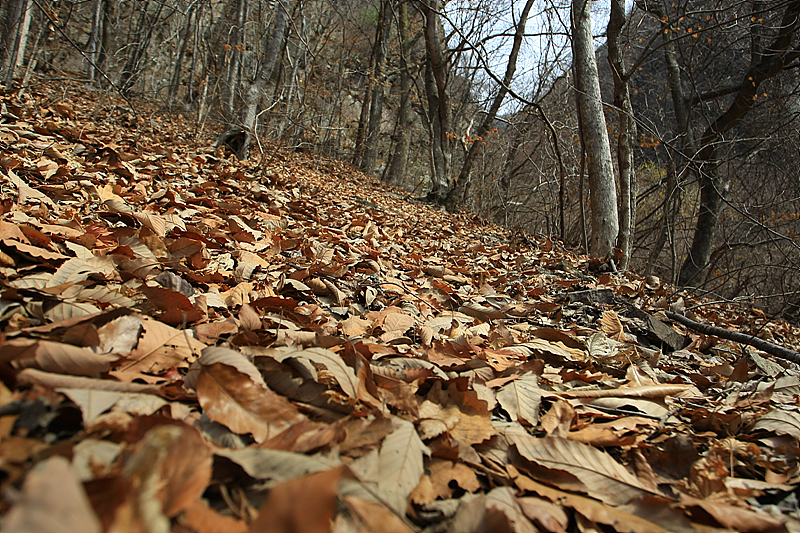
(193, 343)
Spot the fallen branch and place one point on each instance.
(735, 336)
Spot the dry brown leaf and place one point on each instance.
(203, 519)
(649, 391)
(620, 432)
(612, 326)
(546, 515)
(400, 464)
(175, 307)
(249, 319)
(735, 518)
(601, 476)
(344, 375)
(56, 357)
(355, 326)
(602, 513)
(306, 504)
(52, 501)
(520, 398)
(503, 499)
(398, 322)
(169, 470)
(161, 347)
(232, 393)
(376, 518)
(558, 420)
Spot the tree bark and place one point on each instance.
(684, 135)
(713, 187)
(176, 73)
(138, 49)
(376, 98)
(459, 192)
(92, 49)
(627, 133)
(256, 89)
(234, 65)
(602, 188)
(439, 111)
(397, 169)
(14, 35)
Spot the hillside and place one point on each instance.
(193, 343)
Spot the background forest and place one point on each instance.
(478, 105)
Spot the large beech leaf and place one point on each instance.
(169, 470)
(345, 376)
(56, 357)
(601, 476)
(521, 399)
(52, 501)
(161, 347)
(232, 393)
(503, 499)
(780, 423)
(281, 512)
(277, 466)
(400, 464)
(72, 271)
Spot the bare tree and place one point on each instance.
(265, 69)
(437, 89)
(713, 187)
(458, 194)
(602, 188)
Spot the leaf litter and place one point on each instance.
(193, 343)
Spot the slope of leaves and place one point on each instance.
(192, 343)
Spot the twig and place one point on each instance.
(768, 347)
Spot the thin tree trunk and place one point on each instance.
(685, 136)
(256, 89)
(458, 194)
(627, 133)
(24, 32)
(92, 49)
(176, 73)
(713, 187)
(144, 32)
(376, 104)
(234, 66)
(105, 37)
(397, 170)
(13, 32)
(438, 93)
(602, 188)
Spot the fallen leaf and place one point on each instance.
(52, 501)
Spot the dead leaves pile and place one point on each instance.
(195, 344)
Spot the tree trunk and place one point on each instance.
(458, 194)
(685, 136)
(602, 189)
(256, 89)
(235, 53)
(14, 35)
(439, 111)
(138, 49)
(176, 73)
(105, 36)
(92, 49)
(713, 187)
(397, 170)
(376, 103)
(627, 133)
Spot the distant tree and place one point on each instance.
(765, 63)
(458, 193)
